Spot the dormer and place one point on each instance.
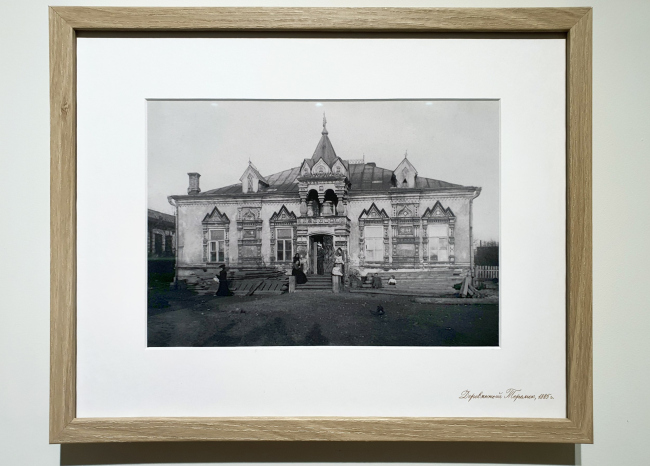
(339, 169)
(320, 168)
(251, 180)
(405, 174)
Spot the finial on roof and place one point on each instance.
(406, 154)
(324, 123)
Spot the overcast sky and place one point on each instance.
(453, 141)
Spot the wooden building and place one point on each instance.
(161, 231)
(382, 219)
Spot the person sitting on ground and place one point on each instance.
(376, 281)
(355, 279)
(392, 281)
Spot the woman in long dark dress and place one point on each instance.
(223, 283)
(296, 271)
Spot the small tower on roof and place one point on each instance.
(324, 161)
(324, 149)
(405, 174)
(252, 179)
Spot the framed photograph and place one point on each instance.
(320, 224)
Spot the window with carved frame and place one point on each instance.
(438, 234)
(374, 240)
(217, 245)
(284, 244)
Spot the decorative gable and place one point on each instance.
(339, 169)
(373, 213)
(305, 168)
(252, 179)
(320, 168)
(405, 174)
(216, 217)
(438, 212)
(283, 215)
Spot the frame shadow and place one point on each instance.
(326, 452)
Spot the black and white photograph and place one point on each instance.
(340, 223)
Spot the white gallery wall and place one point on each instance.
(621, 164)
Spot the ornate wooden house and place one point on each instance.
(381, 219)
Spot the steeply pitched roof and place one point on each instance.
(324, 150)
(254, 169)
(406, 163)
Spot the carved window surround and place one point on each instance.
(249, 229)
(439, 215)
(406, 237)
(283, 219)
(373, 217)
(215, 220)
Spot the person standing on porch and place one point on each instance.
(338, 263)
(297, 271)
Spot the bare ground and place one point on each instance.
(180, 318)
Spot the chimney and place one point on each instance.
(194, 184)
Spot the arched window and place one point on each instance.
(250, 183)
(321, 170)
(313, 204)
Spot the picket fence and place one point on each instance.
(486, 271)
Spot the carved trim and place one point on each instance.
(373, 213)
(438, 214)
(283, 218)
(215, 220)
(373, 216)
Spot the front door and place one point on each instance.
(321, 254)
(328, 254)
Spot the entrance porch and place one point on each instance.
(318, 240)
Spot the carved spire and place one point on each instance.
(324, 125)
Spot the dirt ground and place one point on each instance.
(181, 318)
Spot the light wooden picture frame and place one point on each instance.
(67, 22)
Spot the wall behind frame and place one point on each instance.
(621, 222)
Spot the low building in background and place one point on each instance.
(161, 234)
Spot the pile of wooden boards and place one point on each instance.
(467, 290)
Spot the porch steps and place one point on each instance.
(316, 283)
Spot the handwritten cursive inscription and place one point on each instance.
(511, 394)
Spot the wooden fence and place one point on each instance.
(486, 271)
